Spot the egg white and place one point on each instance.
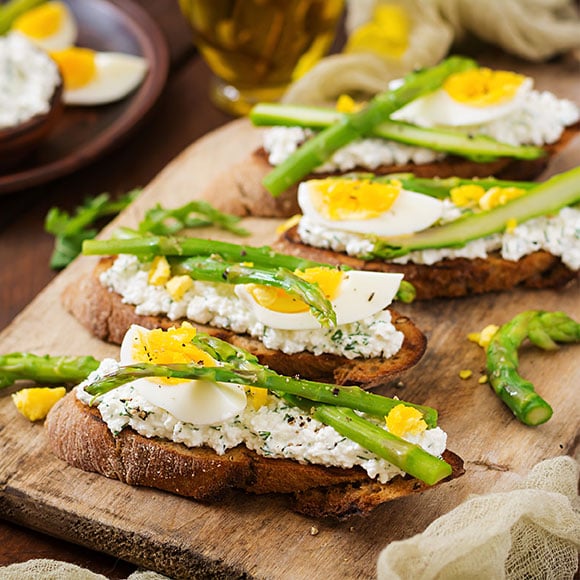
(439, 108)
(197, 401)
(361, 294)
(117, 75)
(411, 212)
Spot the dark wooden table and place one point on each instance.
(182, 114)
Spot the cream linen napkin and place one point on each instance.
(43, 569)
(530, 532)
(401, 35)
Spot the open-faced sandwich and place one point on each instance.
(191, 414)
(449, 237)
(454, 119)
(297, 316)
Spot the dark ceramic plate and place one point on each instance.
(85, 133)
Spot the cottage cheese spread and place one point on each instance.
(275, 430)
(217, 305)
(540, 120)
(28, 79)
(559, 235)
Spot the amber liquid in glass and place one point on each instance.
(256, 48)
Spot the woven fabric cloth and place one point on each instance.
(44, 569)
(532, 531)
(535, 30)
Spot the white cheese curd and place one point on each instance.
(28, 79)
(540, 120)
(219, 306)
(275, 430)
(558, 234)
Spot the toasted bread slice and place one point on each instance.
(108, 317)
(239, 190)
(77, 435)
(449, 278)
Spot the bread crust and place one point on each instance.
(107, 317)
(77, 435)
(239, 190)
(449, 278)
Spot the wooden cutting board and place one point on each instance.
(245, 536)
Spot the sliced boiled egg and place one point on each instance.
(367, 207)
(472, 97)
(51, 26)
(354, 295)
(193, 401)
(95, 78)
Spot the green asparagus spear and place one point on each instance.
(544, 329)
(218, 270)
(149, 246)
(11, 10)
(45, 369)
(352, 126)
(549, 197)
(478, 148)
(411, 458)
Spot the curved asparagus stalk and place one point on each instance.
(548, 197)
(217, 270)
(317, 150)
(544, 329)
(45, 369)
(478, 148)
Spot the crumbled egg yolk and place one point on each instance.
(387, 34)
(482, 87)
(403, 420)
(511, 225)
(177, 286)
(277, 299)
(289, 223)
(496, 196)
(353, 199)
(42, 21)
(483, 379)
(259, 396)
(465, 374)
(160, 272)
(77, 66)
(465, 195)
(35, 403)
(346, 104)
(484, 337)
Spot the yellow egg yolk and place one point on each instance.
(259, 396)
(403, 420)
(353, 199)
(484, 337)
(499, 196)
(464, 195)
(77, 66)
(160, 271)
(387, 33)
(178, 286)
(279, 300)
(482, 87)
(40, 22)
(168, 347)
(35, 403)
(346, 104)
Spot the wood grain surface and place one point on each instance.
(246, 536)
